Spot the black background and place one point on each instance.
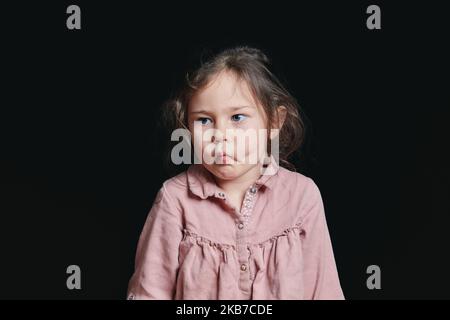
(82, 148)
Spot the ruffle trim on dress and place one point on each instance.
(297, 226)
(201, 240)
(205, 241)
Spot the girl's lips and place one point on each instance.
(223, 158)
(222, 155)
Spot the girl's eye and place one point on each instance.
(203, 121)
(238, 117)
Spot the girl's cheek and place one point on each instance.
(198, 143)
(248, 124)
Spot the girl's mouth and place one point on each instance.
(222, 158)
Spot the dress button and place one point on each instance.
(243, 267)
(253, 190)
(240, 225)
(221, 194)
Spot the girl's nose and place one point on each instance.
(218, 137)
(219, 133)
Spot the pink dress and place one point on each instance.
(195, 245)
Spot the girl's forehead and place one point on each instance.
(224, 90)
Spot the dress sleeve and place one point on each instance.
(156, 262)
(320, 274)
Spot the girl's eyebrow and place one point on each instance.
(240, 107)
(230, 108)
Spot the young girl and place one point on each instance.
(234, 228)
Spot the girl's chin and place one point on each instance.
(225, 171)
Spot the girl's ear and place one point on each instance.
(278, 121)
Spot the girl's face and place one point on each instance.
(228, 127)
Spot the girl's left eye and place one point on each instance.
(238, 117)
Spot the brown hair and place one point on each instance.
(251, 65)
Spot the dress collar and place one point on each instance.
(201, 182)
